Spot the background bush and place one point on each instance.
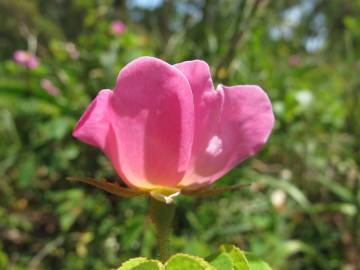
(301, 210)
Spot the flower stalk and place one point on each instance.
(162, 215)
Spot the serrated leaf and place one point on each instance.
(132, 263)
(222, 261)
(255, 263)
(187, 262)
(149, 265)
(232, 258)
(237, 256)
(141, 264)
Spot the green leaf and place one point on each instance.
(70, 206)
(214, 191)
(223, 261)
(130, 264)
(4, 260)
(297, 194)
(187, 262)
(343, 192)
(344, 208)
(232, 258)
(255, 263)
(239, 260)
(27, 171)
(141, 264)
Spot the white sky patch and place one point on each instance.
(147, 4)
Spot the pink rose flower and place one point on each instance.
(26, 59)
(166, 127)
(49, 87)
(117, 27)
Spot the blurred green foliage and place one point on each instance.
(302, 209)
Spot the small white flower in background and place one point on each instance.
(278, 107)
(278, 199)
(286, 174)
(304, 98)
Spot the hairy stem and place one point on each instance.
(162, 215)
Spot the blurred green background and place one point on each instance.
(302, 209)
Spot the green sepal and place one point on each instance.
(141, 264)
(105, 185)
(187, 262)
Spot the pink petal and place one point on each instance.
(117, 27)
(145, 126)
(32, 62)
(95, 128)
(153, 122)
(94, 124)
(21, 57)
(198, 74)
(231, 124)
(26, 59)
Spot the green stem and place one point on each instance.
(162, 215)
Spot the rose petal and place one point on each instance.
(153, 122)
(198, 74)
(231, 124)
(146, 127)
(94, 123)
